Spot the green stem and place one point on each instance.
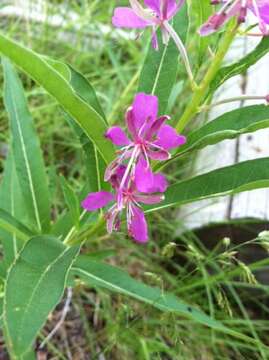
(83, 236)
(201, 90)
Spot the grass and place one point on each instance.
(104, 326)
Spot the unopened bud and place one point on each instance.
(226, 241)
(169, 250)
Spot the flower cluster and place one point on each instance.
(238, 8)
(130, 174)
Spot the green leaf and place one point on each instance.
(160, 68)
(34, 286)
(26, 150)
(102, 275)
(11, 201)
(13, 226)
(109, 277)
(228, 126)
(72, 201)
(55, 78)
(95, 165)
(200, 12)
(247, 175)
(241, 66)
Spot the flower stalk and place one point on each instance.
(236, 98)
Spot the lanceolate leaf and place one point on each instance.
(27, 154)
(13, 226)
(114, 279)
(34, 286)
(241, 66)
(160, 68)
(247, 175)
(10, 201)
(200, 12)
(71, 201)
(55, 78)
(95, 165)
(228, 126)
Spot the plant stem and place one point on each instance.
(80, 238)
(233, 99)
(200, 92)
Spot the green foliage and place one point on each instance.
(27, 154)
(56, 80)
(37, 266)
(13, 226)
(72, 201)
(228, 126)
(34, 285)
(199, 13)
(160, 68)
(11, 201)
(116, 280)
(247, 175)
(240, 66)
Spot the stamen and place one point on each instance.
(226, 6)
(127, 171)
(141, 12)
(146, 156)
(256, 8)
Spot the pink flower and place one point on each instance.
(155, 15)
(238, 8)
(151, 139)
(130, 199)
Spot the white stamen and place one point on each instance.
(127, 171)
(225, 6)
(141, 12)
(256, 8)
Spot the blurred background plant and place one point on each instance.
(202, 268)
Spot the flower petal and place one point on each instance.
(145, 111)
(126, 17)
(113, 220)
(158, 154)
(130, 122)
(155, 127)
(146, 181)
(160, 183)
(138, 227)
(168, 138)
(154, 5)
(213, 24)
(117, 136)
(97, 200)
(263, 6)
(173, 7)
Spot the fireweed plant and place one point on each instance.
(135, 183)
(46, 249)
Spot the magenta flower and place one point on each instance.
(238, 8)
(156, 14)
(130, 199)
(151, 138)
